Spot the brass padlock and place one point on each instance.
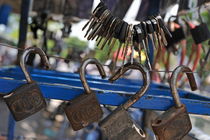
(119, 125)
(27, 99)
(175, 123)
(85, 109)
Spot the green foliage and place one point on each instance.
(102, 55)
(76, 43)
(50, 44)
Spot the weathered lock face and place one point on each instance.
(83, 111)
(25, 101)
(173, 124)
(200, 33)
(119, 125)
(133, 133)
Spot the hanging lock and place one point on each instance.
(119, 125)
(175, 123)
(85, 109)
(178, 33)
(201, 32)
(27, 99)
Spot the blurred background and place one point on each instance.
(56, 27)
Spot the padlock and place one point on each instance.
(201, 32)
(85, 109)
(119, 125)
(178, 34)
(27, 99)
(175, 123)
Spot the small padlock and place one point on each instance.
(201, 32)
(178, 33)
(175, 123)
(27, 99)
(119, 125)
(85, 109)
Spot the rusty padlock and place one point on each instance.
(85, 109)
(27, 99)
(175, 123)
(119, 125)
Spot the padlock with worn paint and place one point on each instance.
(175, 123)
(119, 125)
(85, 109)
(27, 99)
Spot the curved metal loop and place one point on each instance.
(176, 19)
(26, 52)
(173, 83)
(82, 72)
(146, 78)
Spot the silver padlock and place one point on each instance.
(119, 125)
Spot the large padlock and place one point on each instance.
(27, 99)
(119, 125)
(175, 123)
(85, 109)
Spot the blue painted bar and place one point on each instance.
(73, 75)
(154, 102)
(11, 127)
(95, 85)
(129, 87)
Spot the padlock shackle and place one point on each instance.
(146, 81)
(176, 19)
(26, 52)
(82, 72)
(173, 82)
(199, 14)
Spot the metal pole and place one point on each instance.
(25, 6)
(11, 127)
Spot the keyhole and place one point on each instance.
(141, 131)
(158, 121)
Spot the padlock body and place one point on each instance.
(131, 133)
(173, 124)
(83, 110)
(200, 33)
(119, 125)
(177, 36)
(25, 101)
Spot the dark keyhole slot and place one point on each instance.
(141, 131)
(158, 121)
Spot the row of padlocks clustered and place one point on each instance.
(85, 109)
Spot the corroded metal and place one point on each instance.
(173, 82)
(85, 109)
(146, 79)
(27, 99)
(119, 125)
(175, 123)
(82, 72)
(23, 60)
